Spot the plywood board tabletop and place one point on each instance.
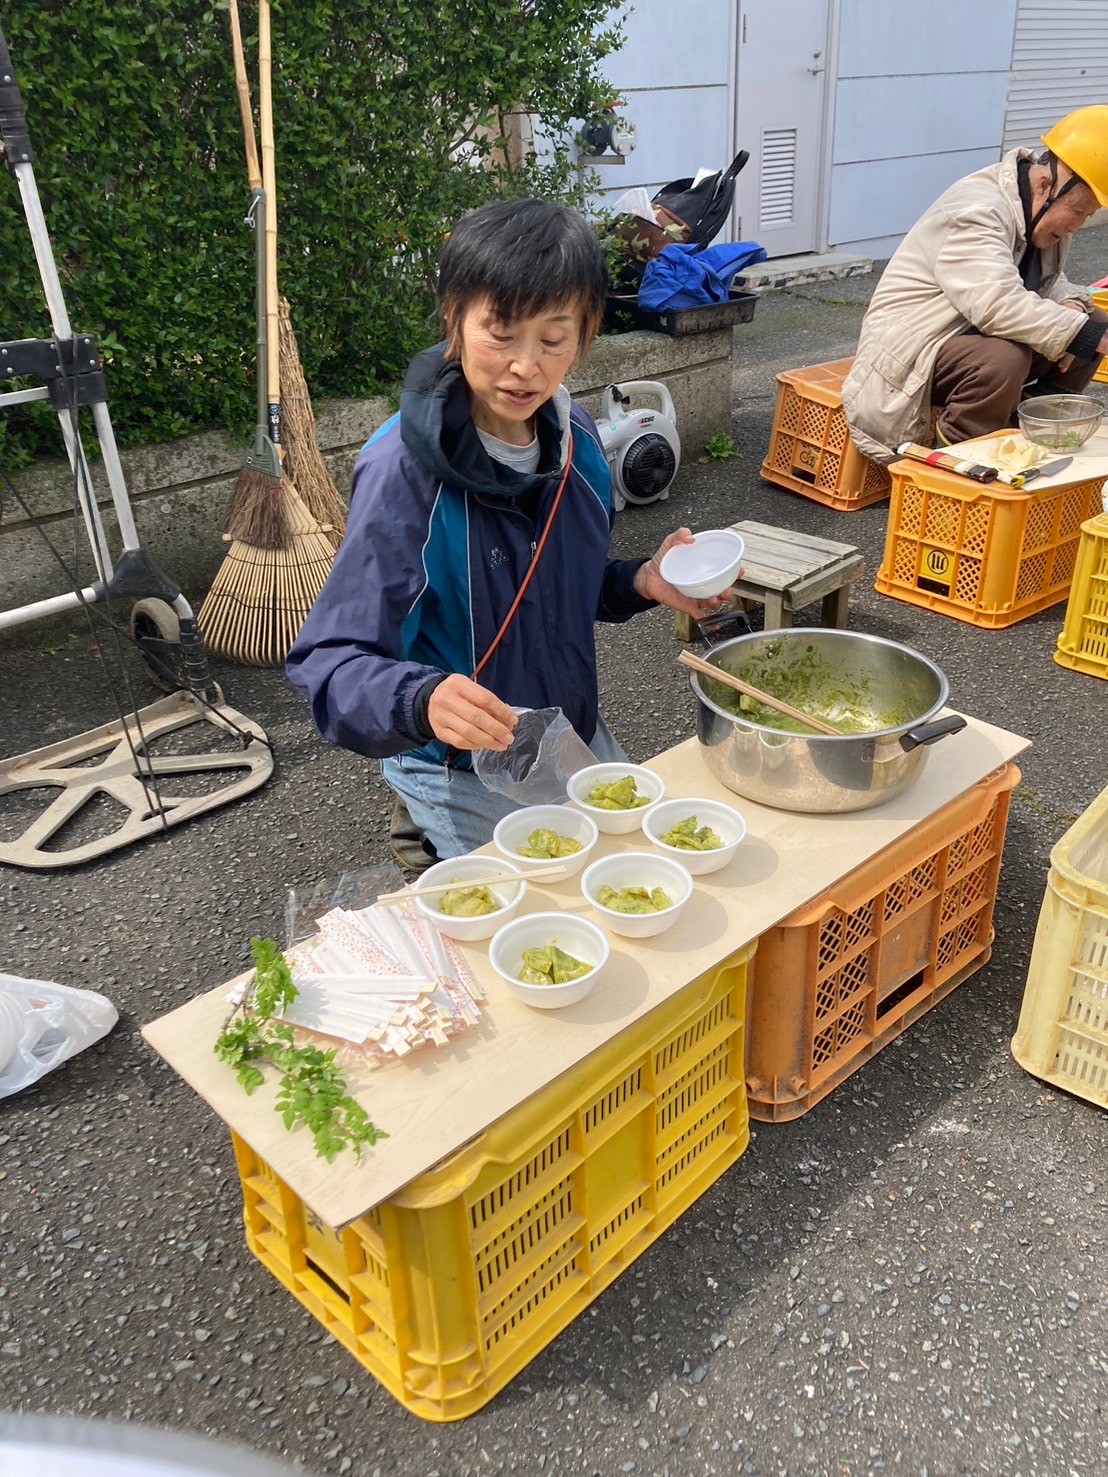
(435, 1101)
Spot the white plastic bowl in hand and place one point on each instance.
(707, 566)
(727, 823)
(512, 832)
(577, 936)
(460, 870)
(616, 822)
(646, 869)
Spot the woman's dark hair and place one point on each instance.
(525, 257)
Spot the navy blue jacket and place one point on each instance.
(438, 542)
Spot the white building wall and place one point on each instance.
(1059, 62)
(919, 101)
(918, 97)
(674, 70)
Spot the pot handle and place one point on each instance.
(930, 733)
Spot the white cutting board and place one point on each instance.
(1090, 462)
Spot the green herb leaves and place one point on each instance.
(312, 1091)
(273, 986)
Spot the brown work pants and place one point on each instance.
(978, 382)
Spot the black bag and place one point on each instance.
(703, 207)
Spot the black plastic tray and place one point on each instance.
(623, 311)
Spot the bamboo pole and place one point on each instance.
(269, 184)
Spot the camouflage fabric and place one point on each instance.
(646, 239)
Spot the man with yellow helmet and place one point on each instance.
(974, 305)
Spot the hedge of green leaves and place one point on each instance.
(385, 114)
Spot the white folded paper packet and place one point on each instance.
(634, 202)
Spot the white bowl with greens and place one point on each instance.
(536, 835)
(703, 835)
(619, 886)
(549, 959)
(628, 791)
(462, 872)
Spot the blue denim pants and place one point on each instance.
(453, 809)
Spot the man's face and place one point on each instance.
(1065, 216)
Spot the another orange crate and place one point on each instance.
(448, 1289)
(988, 554)
(839, 979)
(1083, 644)
(810, 450)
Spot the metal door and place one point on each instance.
(780, 106)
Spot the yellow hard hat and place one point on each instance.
(1080, 140)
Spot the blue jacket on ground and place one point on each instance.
(437, 544)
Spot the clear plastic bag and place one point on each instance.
(355, 889)
(42, 1025)
(543, 756)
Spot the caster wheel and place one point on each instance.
(157, 634)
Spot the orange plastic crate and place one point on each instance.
(810, 450)
(842, 977)
(1083, 644)
(984, 553)
(449, 1288)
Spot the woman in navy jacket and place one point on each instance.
(488, 481)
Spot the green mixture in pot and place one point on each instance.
(810, 682)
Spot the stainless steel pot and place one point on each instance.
(794, 771)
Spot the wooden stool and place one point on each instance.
(786, 571)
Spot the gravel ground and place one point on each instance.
(905, 1279)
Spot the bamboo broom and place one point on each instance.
(303, 458)
(253, 510)
(266, 585)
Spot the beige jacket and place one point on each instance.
(956, 268)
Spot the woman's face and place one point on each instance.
(514, 368)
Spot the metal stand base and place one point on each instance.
(64, 768)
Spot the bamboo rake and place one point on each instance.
(260, 597)
(265, 586)
(303, 458)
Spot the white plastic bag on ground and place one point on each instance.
(42, 1025)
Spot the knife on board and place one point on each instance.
(1048, 469)
(977, 470)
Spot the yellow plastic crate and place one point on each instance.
(1063, 1027)
(839, 979)
(810, 450)
(1083, 644)
(447, 1290)
(1100, 297)
(986, 554)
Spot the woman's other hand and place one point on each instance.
(651, 586)
(466, 715)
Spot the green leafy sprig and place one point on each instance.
(718, 448)
(312, 1090)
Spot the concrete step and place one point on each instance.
(791, 271)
